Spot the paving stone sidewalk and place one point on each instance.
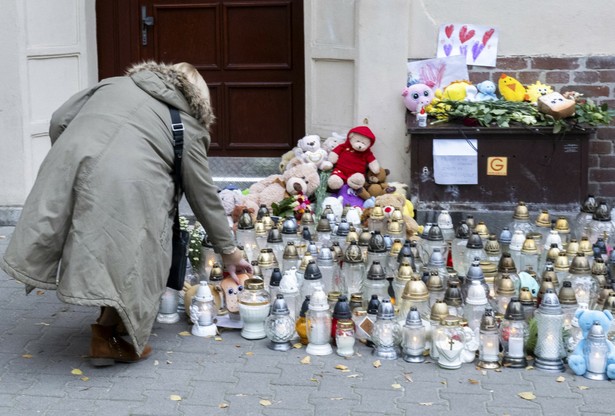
(44, 371)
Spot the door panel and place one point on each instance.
(250, 52)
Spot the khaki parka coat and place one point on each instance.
(97, 225)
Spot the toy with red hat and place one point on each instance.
(352, 159)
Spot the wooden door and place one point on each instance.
(250, 52)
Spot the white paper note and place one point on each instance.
(455, 161)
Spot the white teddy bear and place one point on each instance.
(309, 150)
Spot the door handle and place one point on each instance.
(146, 21)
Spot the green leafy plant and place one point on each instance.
(502, 113)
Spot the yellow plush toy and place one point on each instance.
(511, 89)
(537, 90)
(457, 91)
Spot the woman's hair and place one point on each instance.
(200, 91)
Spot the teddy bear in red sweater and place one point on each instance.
(352, 159)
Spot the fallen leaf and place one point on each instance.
(223, 405)
(315, 380)
(40, 292)
(341, 367)
(529, 367)
(43, 324)
(169, 362)
(297, 345)
(84, 378)
(250, 353)
(408, 377)
(184, 334)
(26, 356)
(377, 363)
(217, 338)
(498, 370)
(426, 404)
(264, 403)
(353, 376)
(175, 397)
(527, 395)
(306, 360)
(560, 379)
(472, 381)
(583, 387)
(443, 382)
(396, 386)
(76, 372)
(337, 398)
(156, 362)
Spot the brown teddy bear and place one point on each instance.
(376, 183)
(389, 202)
(303, 178)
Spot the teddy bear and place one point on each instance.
(333, 141)
(285, 159)
(486, 91)
(391, 201)
(309, 150)
(586, 319)
(377, 183)
(302, 178)
(352, 159)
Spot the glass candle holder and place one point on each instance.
(279, 325)
(549, 349)
(449, 341)
(513, 334)
(413, 338)
(386, 334)
(345, 337)
(318, 323)
(203, 312)
(254, 307)
(489, 342)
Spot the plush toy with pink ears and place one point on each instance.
(416, 96)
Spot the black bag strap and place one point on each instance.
(177, 127)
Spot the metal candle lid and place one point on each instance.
(439, 310)
(436, 259)
(245, 221)
(566, 294)
(435, 233)
(492, 246)
(318, 300)
(376, 243)
(405, 271)
(274, 236)
(307, 218)
(521, 212)
(550, 303)
(525, 296)
(290, 251)
(343, 228)
(463, 231)
(203, 292)
(325, 256)
(434, 282)
(514, 310)
(376, 272)
(505, 236)
(279, 306)
(505, 286)
(341, 310)
(262, 211)
(415, 290)
(377, 212)
(216, 274)
(602, 212)
(589, 205)
(305, 305)
(474, 241)
(364, 237)
(579, 264)
(289, 226)
(413, 320)
(452, 295)
(323, 226)
(488, 322)
(353, 253)
(506, 264)
(312, 272)
(543, 219)
(373, 305)
(259, 229)
(386, 311)
(476, 294)
(475, 272)
(266, 258)
(562, 226)
(529, 245)
(276, 277)
(481, 229)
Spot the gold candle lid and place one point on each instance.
(439, 310)
(305, 261)
(332, 296)
(561, 262)
(482, 230)
(377, 212)
(543, 219)
(585, 246)
(529, 245)
(505, 286)
(307, 218)
(573, 247)
(266, 258)
(562, 226)
(579, 264)
(525, 295)
(521, 212)
(395, 247)
(566, 295)
(394, 226)
(415, 290)
(404, 271)
(434, 283)
(489, 269)
(492, 246)
(345, 324)
(397, 215)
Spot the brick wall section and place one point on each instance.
(593, 76)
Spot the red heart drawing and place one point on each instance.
(487, 36)
(465, 35)
(449, 30)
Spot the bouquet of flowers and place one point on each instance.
(294, 205)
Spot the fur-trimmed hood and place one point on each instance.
(197, 99)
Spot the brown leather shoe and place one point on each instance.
(107, 348)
